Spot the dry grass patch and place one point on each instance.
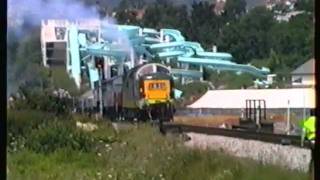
(208, 121)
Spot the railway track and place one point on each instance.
(282, 139)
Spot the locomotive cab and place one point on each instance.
(147, 93)
(156, 88)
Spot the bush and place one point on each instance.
(191, 92)
(42, 100)
(22, 122)
(55, 135)
(43, 132)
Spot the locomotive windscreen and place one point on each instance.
(152, 68)
(146, 69)
(161, 69)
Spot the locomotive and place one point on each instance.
(143, 93)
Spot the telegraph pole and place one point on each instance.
(288, 118)
(100, 92)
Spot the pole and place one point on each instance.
(214, 48)
(304, 107)
(100, 93)
(246, 109)
(254, 111)
(250, 110)
(259, 110)
(265, 109)
(201, 70)
(288, 118)
(132, 57)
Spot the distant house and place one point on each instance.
(304, 75)
(286, 17)
(219, 7)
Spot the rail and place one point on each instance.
(243, 134)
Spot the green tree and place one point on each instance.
(128, 4)
(230, 80)
(26, 68)
(294, 39)
(248, 38)
(163, 15)
(127, 17)
(206, 25)
(234, 9)
(305, 5)
(126, 12)
(24, 63)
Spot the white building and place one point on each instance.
(54, 43)
(286, 17)
(304, 75)
(275, 98)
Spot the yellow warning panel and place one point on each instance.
(157, 89)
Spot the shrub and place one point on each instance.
(55, 135)
(20, 123)
(43, 132)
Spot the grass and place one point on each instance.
(139, 152)
(211, 121)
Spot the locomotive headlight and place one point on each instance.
(148, 77)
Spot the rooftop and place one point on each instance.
(275, 98)
(306, 68)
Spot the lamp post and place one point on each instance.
(288, 118)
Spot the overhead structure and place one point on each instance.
(99, 51)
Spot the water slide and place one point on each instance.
(81, 53)
(192, 53)
(168, 44)
(186, 73)
(224, 65)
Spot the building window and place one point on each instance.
(298, 80)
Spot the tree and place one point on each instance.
(163, 15)
(128, 4)
(230, 80)
(25, 67)
(305, 5)
(294, 39)
(234, 9)
(127, 11)
(24, 63)
(248, 38)
(127, 17)
(206, 25)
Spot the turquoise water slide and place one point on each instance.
(224, 65)
(167, 44)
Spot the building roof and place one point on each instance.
(275, 98)
(306, 68)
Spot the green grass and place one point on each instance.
(135, 153)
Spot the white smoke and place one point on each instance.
(33, 11)
(26, 15)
